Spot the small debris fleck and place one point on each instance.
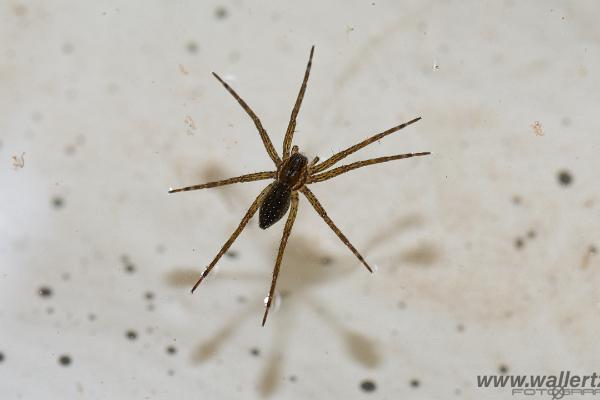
(255, 352)
(1, 357)
(537, 128)
(189, 123)
(415, 383)
(171, 350)
(18, 161)
(503, 369)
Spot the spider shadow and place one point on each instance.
(306, 265)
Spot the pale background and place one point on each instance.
(486, 262)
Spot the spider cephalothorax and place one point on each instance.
(292, 175)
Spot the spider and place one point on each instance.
(293, 174)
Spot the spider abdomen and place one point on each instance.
(275, 205)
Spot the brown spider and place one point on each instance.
(293, 174)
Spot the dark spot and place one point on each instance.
(326, 260)
(170, 372)
(221, 12)
(171, 350)
(127, 264)
(149, 295)
(564, 177)
(592, 250)
(67, 48)
(37, 116)
(415, 383)
(92, 317)
(160, 249)
(150, 307)
(519, 243)
(65, 276)
(516, 200)
(255, 352)
(531, 234)
(192, 47)
(242, 299)
(503, 369)
(293, 378)
(64, 360)
(1, 356)
(50, 310)
(460, 328)
(131, 335)
(368, 385)
(231, 253)
(70, 149)
(45, 291)
(58, 202)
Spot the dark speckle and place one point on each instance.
(1, 357)
(231, 253)
(564, 178)
(92, 317)
(503, 369)
(192, 47)
(255, 352)
(64, 360)
(516, 200)
(326, 260)
(415, 383)
(131, 335)
(368, 385)
(460, 328)
(293, 378)
(45, 291)
(67, 48)
(531, 234)
(149, 295)
(58, 202)
(170, 372)
(519, 243)
(221, 12)
(171, 350)
(127, 264)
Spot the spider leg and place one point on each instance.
(286, 233)
(257, 176)
(289, 134)
(345, 153)
(321, 211)
(251, 211)
(323, 176)
(263, 133)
